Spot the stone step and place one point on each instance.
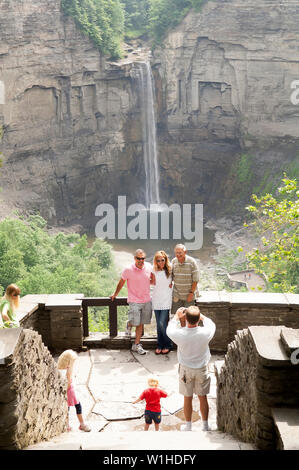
(100, 340)
(151, 440)
(287, 424)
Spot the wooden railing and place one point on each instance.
(102, 302)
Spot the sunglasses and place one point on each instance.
(160, 260)
(140, 259)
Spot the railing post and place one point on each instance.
(113, 318)
(85, 320)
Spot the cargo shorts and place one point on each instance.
(140, 314)
(194, 381)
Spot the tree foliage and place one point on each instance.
(136, 17)
(101, 20)
(167, 14)
(43, 263)
(276, 221)
(106, 21)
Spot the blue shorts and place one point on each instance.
(149, 416)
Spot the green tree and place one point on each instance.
(164, 15)
(276, 221)
(101, 20)
(136, 17)
(40, 263)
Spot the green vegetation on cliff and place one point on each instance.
(101, 20)
(107, 21)
(165, 15)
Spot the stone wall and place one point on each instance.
(257, 377)
(56, 317)
(236, 392)
(233, 311)
(33, 404)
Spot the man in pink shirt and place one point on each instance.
(139, 276)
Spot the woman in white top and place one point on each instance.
(162, 300)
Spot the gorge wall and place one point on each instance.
(226, 120)
(72, 120)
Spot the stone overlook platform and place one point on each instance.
(256, 383)
(109, 380)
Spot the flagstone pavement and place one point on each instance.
(107, 381)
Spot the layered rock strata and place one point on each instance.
(227, 125)
(227, 117)
(72, 135)
(33, 404)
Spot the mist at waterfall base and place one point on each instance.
(151, 245)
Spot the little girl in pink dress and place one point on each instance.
(66, 362)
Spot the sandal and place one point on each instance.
(165, 351)
(158, 351)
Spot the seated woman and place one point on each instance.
(8, 305)
(162, 299)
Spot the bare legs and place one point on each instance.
(139, 330)
(204, 410)
(146, 426)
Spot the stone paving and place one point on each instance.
(107, 381)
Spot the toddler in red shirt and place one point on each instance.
(152, 396)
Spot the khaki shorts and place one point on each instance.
(179, 304)
(140, 314)
(194, 381)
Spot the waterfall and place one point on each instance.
(146, 87)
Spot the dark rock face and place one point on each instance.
(227, 122)
(72, 136)
(72, 121)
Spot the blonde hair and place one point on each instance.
(167, 265)
(153, 381)
(12, 293)
(66, 358)
(11, 290)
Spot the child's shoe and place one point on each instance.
(84, 427)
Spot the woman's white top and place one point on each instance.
(161, 293)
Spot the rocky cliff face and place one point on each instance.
(227, 123)
(72, 134)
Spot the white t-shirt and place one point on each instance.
(162, 293)
(193, 343)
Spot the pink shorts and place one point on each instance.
(71, 396)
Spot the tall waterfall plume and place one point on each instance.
(146, 87)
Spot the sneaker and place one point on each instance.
(84, 427)
(186, 427)
(138, 348)
(128, 329)
(206, 427)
